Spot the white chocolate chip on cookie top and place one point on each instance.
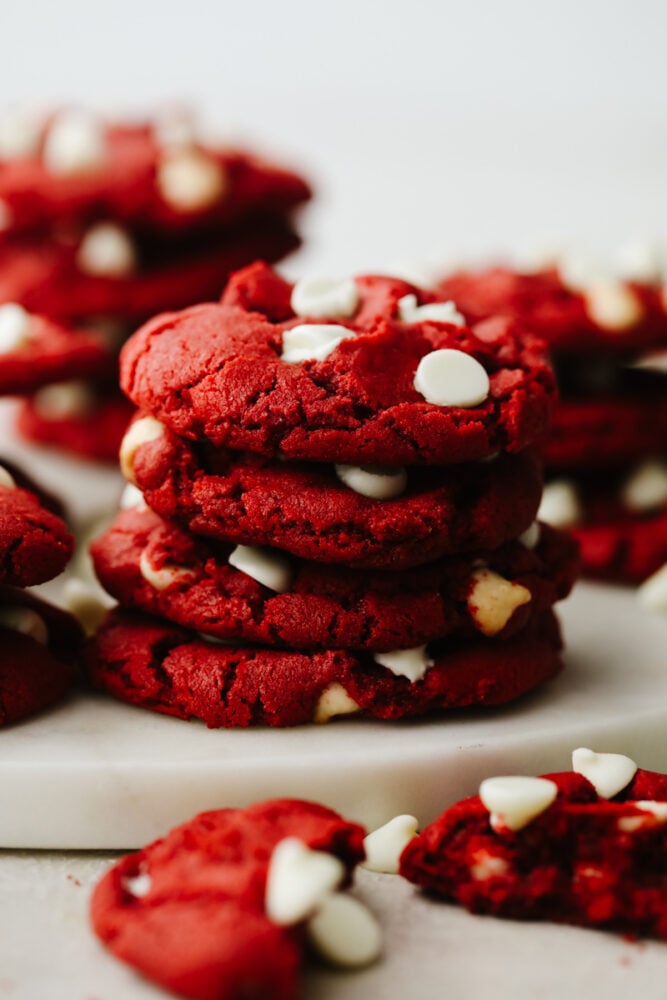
(451, 378)
(325, 298)
(312, 341)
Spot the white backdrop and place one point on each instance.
(430, 128)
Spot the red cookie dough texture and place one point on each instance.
(35, 544)
(216, 371)
(555, 848)
(86, 420)
(194, 912)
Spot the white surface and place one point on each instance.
(93, 773)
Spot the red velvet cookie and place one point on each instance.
(375, 379)
(40, 646)
(164, 668)
(259, 596)
(611, 317)
(219, 908)
(74, 167)
(76, 417)
(554, 849)
(35, 545)
(309, 511)
(35, 351)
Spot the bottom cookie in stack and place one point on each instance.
(465, 630)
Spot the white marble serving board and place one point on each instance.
(92, 773)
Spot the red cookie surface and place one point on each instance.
(306, 509)
(123, 183)
(200, 928)
(559, 314)
(584, 860)
(40, 646)
(216, 371)
(35, 545)
(51, 353)
(326, 607)
(92, 429)
(623, 547)
(164, 668)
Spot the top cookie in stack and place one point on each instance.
(605, 455)
(103, 225)
(341, 472)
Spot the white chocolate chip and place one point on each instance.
(657, 809)
(612, 305)
(451, 378)
(164, 577)
(493, 600)
(74, 143)
(313, 341)
(14, 327)
(385, 845)
(531, 536)
(190, 181)
(345, 932)
(438, 312)
(140, 432)
(609, 773)
(268, 567)
(655, 814)
(411, 663)
(298, 881)
(486, 865)
(107, 251)
(653, 592)
(646, 488)
(334, 701)
(26, 621)
(88, 603)
(325, 297)
(132, 498)
(578, 270)
(20, 134)
(64, 400)
(6, 478)
(640, 261)
(375, 481)
(514, 801)
(560, 505)
(138, 886)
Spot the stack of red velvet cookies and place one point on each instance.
(39, 642)
(605, 456)
(103, 225)
(336, 512)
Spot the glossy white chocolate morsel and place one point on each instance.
(560, 506)
(493, 600)
(190, 181)
(6, 478)
(385, 845)
(451, 378)
(20, 133)
(14, 327)
(75, 142)
(609, 773)
(138, 886)
(486, 865)
(312, 341)
(639, 260)
(299, 880)
(268, 567)
(374, 481)
(515, 800)
(409, 311)
(325, 297)
(334, 701)
(531, 536)
(64, 400)
(26, 621)
(345, 932)
(165, 576)
(613, 305)
(411, 663)
(646, 488)
(107, 251)
(653, 592)
(140, 432)
(132, 498)
(654, 814)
